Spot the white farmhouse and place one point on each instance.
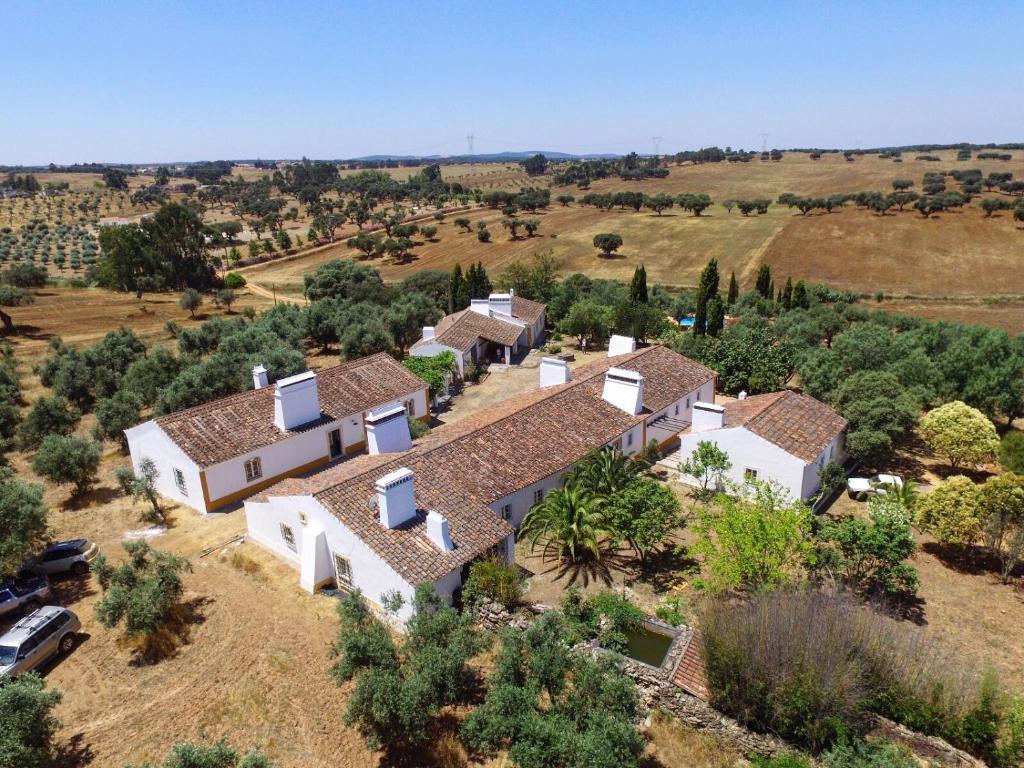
(396, 518)
(785, 437)
(498, 327)
(223, 451)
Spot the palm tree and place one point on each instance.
(604, 472)
(905, 493)
(569, 519)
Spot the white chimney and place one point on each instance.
(428, 331)
(706, 417)
(259, 377)
(437, 531)
(501, 303)
(480, 306)
(553, 371)
(621, 345)
(296, 401)
(624, 389)
(387, 431)
(396, 501)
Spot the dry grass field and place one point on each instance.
(957, 256)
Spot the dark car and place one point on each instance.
(24, 593)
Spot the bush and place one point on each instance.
(583, 618)
(219, 755)
(417, 428)
(811, 665)
(27, 724)
(234, 280)
(494, 578)
(857, 753)
(1011, 451)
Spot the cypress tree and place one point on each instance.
(706, 289)
(734, 289)
(764, 281)
(716, 315)
(787, 294)
(458, 296)
(800, 298)
(638, 288)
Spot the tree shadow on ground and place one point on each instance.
(176, 632)
(72, 589)
(75, 753)
(911, 608)
(967, 559)
(662, 569)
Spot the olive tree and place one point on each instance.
(961, 434)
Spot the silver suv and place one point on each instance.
(74, 556)
(37, 638)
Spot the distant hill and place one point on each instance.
(492, 157)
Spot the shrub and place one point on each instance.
(1011, 451)
(961, 434)
(858, 753)
(27, 724)
(583, 618)
(417, 428)
(952, 512)
(219, 755)
(234, 280)
(495, 579)
(671, 610)
(810, 665)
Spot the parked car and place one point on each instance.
(64, 556)
(860, 488)
(25, 593)
(36, 638)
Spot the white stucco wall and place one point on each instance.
(523, 499)
(834, 451)
(370, 573)
(148, 440)
(749, 451)
(228, 477)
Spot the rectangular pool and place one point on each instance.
(648, 646)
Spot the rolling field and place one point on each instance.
(956, 256)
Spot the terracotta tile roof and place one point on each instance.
(237, 424)
(460, 469)
(690, 674)
(795, 422)
(462, 330)
(527, 310)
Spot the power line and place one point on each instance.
(657, 145)
(764, 141)
(472, 159)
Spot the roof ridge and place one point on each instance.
(545, 396)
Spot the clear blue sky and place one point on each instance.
(160, 81)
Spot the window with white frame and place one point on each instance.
(343, 571)
(289, 537)
(749, 475)
(538, 496)
(506, 511)
(179, 481)
(253, 469)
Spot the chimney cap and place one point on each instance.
(259, 368)
(383, 414)
(298, 378)
(402, 473)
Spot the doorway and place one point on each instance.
(334, 443)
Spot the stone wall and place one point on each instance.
(657, 691)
